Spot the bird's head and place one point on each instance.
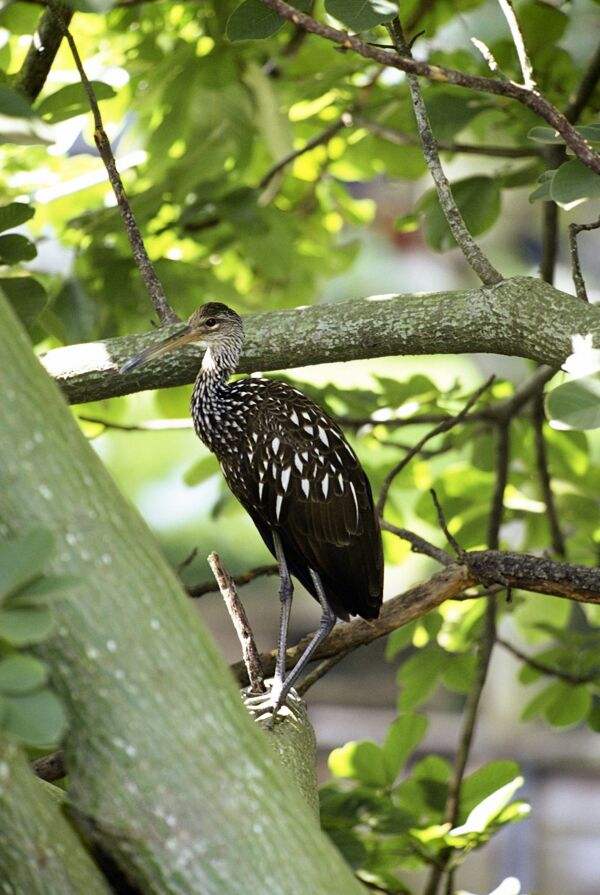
(212, 325)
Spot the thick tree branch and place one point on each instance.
(529, 98)
(520, 317)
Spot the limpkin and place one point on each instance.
(291, 468)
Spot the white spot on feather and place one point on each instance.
(305, 487)
(278, 504)
(275, 445)
(323, 436)
(285, 477)
(298, 463)
(325, 486)
(355, 501)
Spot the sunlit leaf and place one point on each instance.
(483, 814)
(71, 100)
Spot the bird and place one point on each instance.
(290, 466)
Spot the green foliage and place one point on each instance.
(29, 711)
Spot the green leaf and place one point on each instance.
(14, 104)
(575, 404)
(562, 704)
(483, 814)
(569, 706)
(45, 588)
(362, 15)
(485, 781)
(574, 182)
(35, 719)
(27, 297)
(22, 559)
(360, 761)
(403, 737)
(71, 100)
(14, 214)
(589, 132)
(21, 674)
(252, 20)
(478, 199)
(419, 676)
(25, 625)
(15, 248)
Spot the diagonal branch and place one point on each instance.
(529, 98)
(473, 254)
(153, 285)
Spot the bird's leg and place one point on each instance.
(325, 626)
(286, 593)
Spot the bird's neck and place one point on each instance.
(209, 397)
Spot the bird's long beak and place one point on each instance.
(179, 338)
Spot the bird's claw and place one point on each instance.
(270, 704)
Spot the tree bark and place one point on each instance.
(521, 317)
(40, 853)
(178, 784)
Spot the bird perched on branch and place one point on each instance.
(293, 471)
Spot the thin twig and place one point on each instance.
(447, 423)
(186, 561)
(585, 90)
(207, 587)
(147, 426)
(497, 507)
(318, 140)
(519, 42)
(241, 624)
(473, 254)
(443, 525)
(578, 280)
(543, 471)
(419, 544)
(153, 285)
(568, 676)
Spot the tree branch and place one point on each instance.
(532, 573)
(578, 280)
(543, 471)
(520, 317)
(149, 277)
(529, 98)
(42, 52)
(473, 254)
(567, 676)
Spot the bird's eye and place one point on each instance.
(211, 322)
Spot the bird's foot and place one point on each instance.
(274, 703)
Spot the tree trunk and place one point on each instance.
(40, 854)
(179, 785)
